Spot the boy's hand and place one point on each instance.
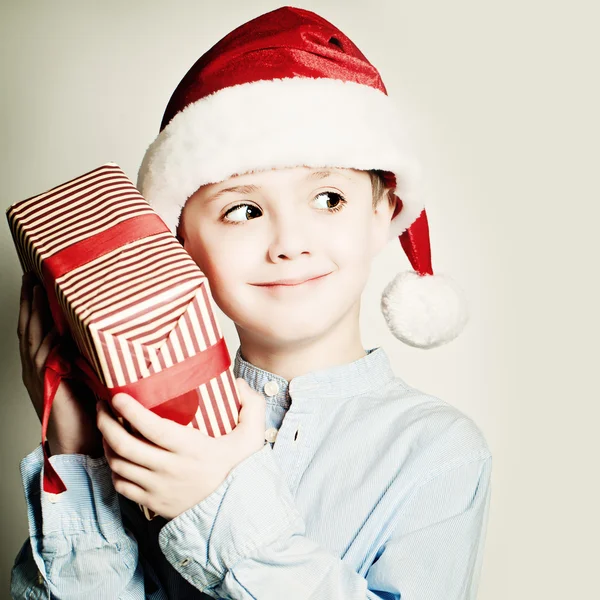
(175, 466)
(72, 425)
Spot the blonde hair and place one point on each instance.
(378, 186)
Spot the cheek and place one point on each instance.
(197, 246)
(222, 264)
(351, 244)
(199, 255)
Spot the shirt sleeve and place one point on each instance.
(436, 548)
(77, 544)
(247, 541)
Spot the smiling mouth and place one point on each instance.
(290, 282)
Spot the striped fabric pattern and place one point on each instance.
(133, 311)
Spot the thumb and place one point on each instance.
(252, 412)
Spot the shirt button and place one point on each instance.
(40, 578)
(271, 434)
(271, 388)
(185, 562)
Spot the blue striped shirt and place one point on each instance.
(366, 488)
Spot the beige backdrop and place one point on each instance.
(502, 103)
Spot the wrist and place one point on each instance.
(72, 437)
(92, 450)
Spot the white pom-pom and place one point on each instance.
(424, 311)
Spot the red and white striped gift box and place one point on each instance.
(136, 305)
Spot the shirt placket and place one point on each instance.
(293, 447)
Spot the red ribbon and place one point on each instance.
(55, 369)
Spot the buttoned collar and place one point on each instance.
(339, 382)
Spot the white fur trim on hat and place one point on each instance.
(274, 124)
(424, 311)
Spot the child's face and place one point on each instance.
(252, 231)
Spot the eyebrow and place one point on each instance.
(240, 189)
(326, 173)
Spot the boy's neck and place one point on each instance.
(341, 346)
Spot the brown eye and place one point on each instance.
(329, 200)
(242, 212)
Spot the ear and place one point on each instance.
(382, 218)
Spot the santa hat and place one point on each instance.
(289, 89)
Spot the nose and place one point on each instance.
(290, 239)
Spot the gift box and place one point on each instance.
(126, 294)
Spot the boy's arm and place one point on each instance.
(435, 551)
(78, 546)
(247, 540)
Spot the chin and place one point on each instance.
(279, 330)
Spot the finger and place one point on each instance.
(35, 331)
(129, 489)
(137, 474)
(252, 412)
(126, 445)
(45, 347)
(45, 313)
(24, 313)
(164, 433)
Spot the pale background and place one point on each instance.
(502, 101)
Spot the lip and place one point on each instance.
(291, 282)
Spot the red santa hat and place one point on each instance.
(289, 89)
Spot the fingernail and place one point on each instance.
(121, 398)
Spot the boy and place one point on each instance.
(278, 167)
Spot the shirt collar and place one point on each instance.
(341, 381)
